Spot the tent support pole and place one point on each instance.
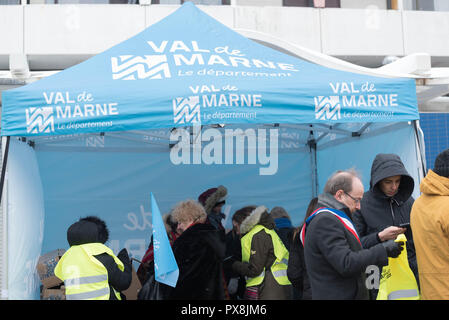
(312, 147)
(4, 163)
(3, 225)
(362, 130)
(420, 145)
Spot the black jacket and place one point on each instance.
(335, 260)
(83, 232)
(199, 253)
(233, 253)
(379, 211)
(296, 271)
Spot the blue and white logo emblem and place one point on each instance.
(327, 108)
(128, 67)
(186, 110)
(40, 120)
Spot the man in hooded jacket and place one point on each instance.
(386, 206)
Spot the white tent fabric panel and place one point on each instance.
(25, 230)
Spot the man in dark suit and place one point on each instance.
(334, 256)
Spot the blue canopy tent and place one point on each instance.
(185, 105)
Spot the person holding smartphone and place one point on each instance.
(385, 208)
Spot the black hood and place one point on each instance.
(388, 165)
(82, 232)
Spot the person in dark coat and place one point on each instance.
(335, 259)
(236, 283)
(199, 252)
(386, 205)
(296, 271)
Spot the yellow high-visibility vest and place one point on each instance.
(398, 281)
(279, 266)
(86, 278)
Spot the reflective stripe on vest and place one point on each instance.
(278, 268)
(84, 280)
(96, 294)
(403, 294)
(84, 276)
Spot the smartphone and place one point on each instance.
(404, 225)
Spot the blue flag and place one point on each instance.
(165, 266)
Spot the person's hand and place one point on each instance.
(123, 256)
(390, 233)
(393, 248)
(236, 265)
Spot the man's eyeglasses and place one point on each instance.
(356, 200)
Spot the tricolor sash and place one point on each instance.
(340, 215)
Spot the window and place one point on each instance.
(208, 2)
(311, 3)
(9, 2)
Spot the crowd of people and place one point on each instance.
(345, 230)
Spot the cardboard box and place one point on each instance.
(46, 268)
(133, 290)
(53, 294)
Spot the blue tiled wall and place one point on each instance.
(436, 134)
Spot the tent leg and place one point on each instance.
(4, 163)
(420, 146)
(3, 225)
(313, 164)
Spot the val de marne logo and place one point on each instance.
(128, 67)
(327, 108)
(186, 110)
(40, 120)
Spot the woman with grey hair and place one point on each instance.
(199, 252)
(187, 213)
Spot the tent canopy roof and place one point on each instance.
(190, 69)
